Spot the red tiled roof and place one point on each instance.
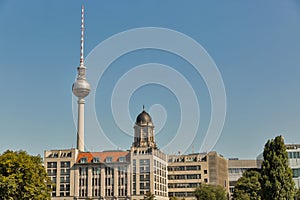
(103, 155)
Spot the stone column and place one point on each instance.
(151, 174)
(76, 182)
(58, 178)
(116, 180)
(128, 181)
(137, 175)
(102, 181)
(89, 182)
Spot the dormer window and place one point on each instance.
(108, 159)
(96, 159)
(122, 159)
(83, 160)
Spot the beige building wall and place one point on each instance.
(187, 172)
(59, 165)
(218, 170)
(103, 175)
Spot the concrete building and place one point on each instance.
(237, 167)
(187, 172)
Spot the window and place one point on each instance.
(65, 164)
(96, 159)
(144, 162)
(195, 167)
(65, 171)
(83, 160)
(108, 159)
(51, 164)
(53, 179)
(62, 187)
(296, 173)
(82, 171)
(191, 159)
(122, 159)
(52, 172)
(65, 179)
(96, 170)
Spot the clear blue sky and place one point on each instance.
(255, 45)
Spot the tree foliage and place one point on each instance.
(276, 175)
(297, 194)
(149, 196)
(248, 187)
(210, 192)
(23, 177)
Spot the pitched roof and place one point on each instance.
(103, 155)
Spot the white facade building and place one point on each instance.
(294, 161)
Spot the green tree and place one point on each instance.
(149, 196)
(210, 192)
(23, 177)
(276, 175)
(175, 198)
(248, 187)
(297, 194)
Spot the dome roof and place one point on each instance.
(143, 118)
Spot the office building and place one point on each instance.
(187, 172)
(237, 167)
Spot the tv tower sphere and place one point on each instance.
(81, 88)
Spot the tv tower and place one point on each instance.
(81, 88)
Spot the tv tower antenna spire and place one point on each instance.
(81, 88)
(82, 36)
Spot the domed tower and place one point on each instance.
(144, 131)
(148, 163)
(81, 88)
